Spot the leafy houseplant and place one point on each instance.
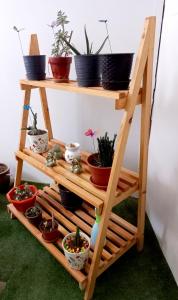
(23, 196)
(34, 64)
(38, 138)
(60, 60)
(34, 215)
(49, 229)
(76, 247)
(100, 163)
(88, 64)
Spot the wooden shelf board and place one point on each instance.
(72, 86)
(120, 236)
(80, 184)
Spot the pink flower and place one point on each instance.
(90, 132)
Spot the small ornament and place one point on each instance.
(51, 159)
(76, 167)
(72, 151)
(57, 151)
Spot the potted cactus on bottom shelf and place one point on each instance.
(76, 247)
(49, 229)
(23, 196)
(34, 215)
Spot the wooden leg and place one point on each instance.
(18, 174)
(46, 116)
(11, 214)
(141, 221)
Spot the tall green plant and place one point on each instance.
(89, 46)
(59, 47)
(105, 150)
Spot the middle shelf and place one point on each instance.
(80, 183)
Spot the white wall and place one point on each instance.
(163, 155)
(71, 114)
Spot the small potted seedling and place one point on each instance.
(23, 196)
(49, 229)
(34, 215)
(76, 247)
(38, 138)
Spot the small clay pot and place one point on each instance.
(35, 218)
(60, 67)
(49, 235)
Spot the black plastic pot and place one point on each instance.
(68, 199)
(88, 70)
(35, 66)
(115, 70)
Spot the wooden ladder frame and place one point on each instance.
(142, 77)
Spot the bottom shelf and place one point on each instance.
(120, 236)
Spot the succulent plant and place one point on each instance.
(59, 47)
(22, 194)
(33, 130)
(89, 47)
(105, 150)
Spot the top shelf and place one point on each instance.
(119, 96)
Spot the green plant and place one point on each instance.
(105, 150)
(77, 237)
(33, 130)
(89, 47)
(18, 32)
(22, 194)
(59, 47)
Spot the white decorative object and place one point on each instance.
(77, 261)
(72, 151)
(38, 143)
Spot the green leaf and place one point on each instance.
(71, 46)
(87, 41)
(102, 45)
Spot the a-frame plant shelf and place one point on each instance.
(119, 234)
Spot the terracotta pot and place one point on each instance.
(50, 236)
(4, 178)
(22, 205)
(35, 219)
(99, 175)
(60, 67)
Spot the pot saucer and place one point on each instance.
(101, 187)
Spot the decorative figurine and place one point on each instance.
(72, 151)
(76, 167)
(51, 159)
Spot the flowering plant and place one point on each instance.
(105, 149)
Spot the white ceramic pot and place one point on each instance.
(38, 143)
(77, 261)
(72, 151)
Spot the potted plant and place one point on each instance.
(76, 247)
(115, 68)
(23, 196)
(49, 229)
(100, 163)
(68, 199)
(60, 60)
(34, 215)
(34, 64)
(87, 65)
(38, 138)
(4, 177)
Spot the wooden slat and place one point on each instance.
(62, 180)
(50, 247)
(121, 102)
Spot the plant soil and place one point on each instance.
(38, 132)
(72, 248)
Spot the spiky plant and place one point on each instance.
(77, 237)
(59, 47)
(105, 150)
(89, 46)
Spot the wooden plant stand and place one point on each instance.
(120, 235)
